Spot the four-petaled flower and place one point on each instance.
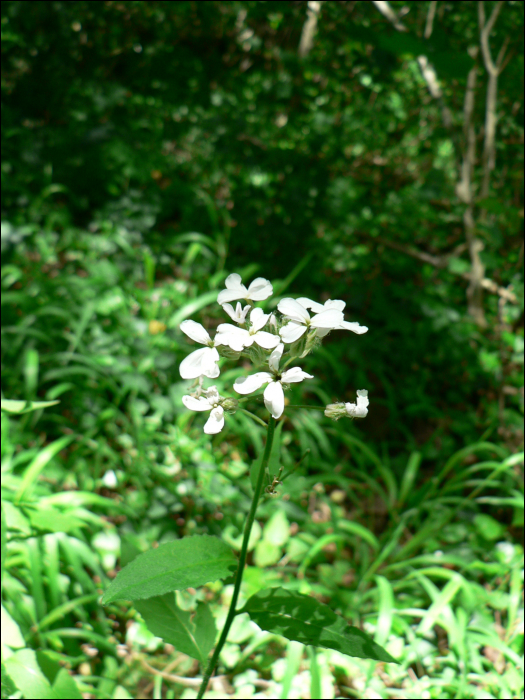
(239, 338)
(258, 290)
(338, 305)
(238, 314)
(203, 361)
(273, 394)
(209, 402)
(299, 320)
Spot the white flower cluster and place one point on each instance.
(262, 338)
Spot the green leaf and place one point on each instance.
(45, 455)
(8, 687)
(487, 527)
(53, 520)
(65, 687)
(304, 619)
(11, 635)
(4, 544)
(25, 673)
(12, 406)
(166, 620)
(192, 307)
(192, 561)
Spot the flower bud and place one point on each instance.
(349, 410)
(228, 353)
(229, 405)
(335, 411)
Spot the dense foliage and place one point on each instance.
(148, 150)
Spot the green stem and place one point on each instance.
(312, 408)
(242, 559)
(255, 418)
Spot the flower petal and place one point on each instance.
(200, 404)
(196, 332)
(258, 319)
(291, 332)
(212, 395)
(234, 281)
(361, 409)
(202, 361)
(215, 422)
(274, 399)
(239, 314)
(337, 304)
(259, 289)
(328, 319)
(230, 295)
(266, 340)
(295, 374)
(236, 338)
(212, 372)
(245, 385)
(275, 357)
(321, 332)
(355, 327)
(294, 310)
(309, 304)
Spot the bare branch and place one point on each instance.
(485, 32)
(493, 69)
(441, 262)
(309, 27)
(431, 79)
(385, 9)
(430, 19)
(427, 70)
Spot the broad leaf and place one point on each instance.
(24, 671)
(194, 637)
(192, 561)
(303, 619)
(8, 687)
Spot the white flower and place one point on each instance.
(203, 361)
(336, 304)
(208, 402)
(258, 290)
(273, 394)
(360, 409)
(299, 320)
(352, 410)
(239, 314)
(239, 338)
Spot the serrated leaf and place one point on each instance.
(166, 620)
(303, 619)
(190, 562)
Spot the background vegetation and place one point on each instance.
(363, 151)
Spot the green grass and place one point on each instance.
(421, 549)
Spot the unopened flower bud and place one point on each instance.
(229, 405)
(349, 410)
(228, 353)
(335, 411)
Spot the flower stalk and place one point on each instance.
(242, 559)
